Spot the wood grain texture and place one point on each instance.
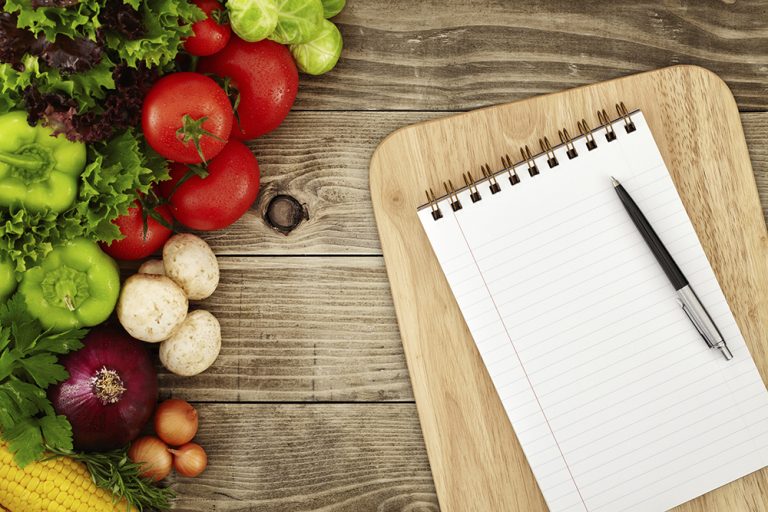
(310, 329)
(301, 329)
(703, 145)
(322, 159)
(458, 54)
(756, 133)
(293, 458)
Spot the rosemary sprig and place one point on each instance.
(115, 472)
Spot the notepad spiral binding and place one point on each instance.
(508, 166)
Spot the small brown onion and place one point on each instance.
(153, 455)
(176, 422)
(190, 459)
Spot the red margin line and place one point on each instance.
(509, 337)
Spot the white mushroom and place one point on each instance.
(152, 267)
(190, 262)
(151, 307)
(194, 347)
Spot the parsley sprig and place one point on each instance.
(28, 365)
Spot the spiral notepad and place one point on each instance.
(615, 398)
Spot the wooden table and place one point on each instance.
(309, 406)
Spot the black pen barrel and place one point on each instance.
(661, 253)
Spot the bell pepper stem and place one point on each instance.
(68, 302)
(30, 162)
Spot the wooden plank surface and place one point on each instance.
(293, 458)
(322, 159)
(458, 54)
(315, 327)
(301, 329)
(703, 145)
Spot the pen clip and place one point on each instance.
(695, 324)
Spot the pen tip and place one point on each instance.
(726, 351)
(615, 182)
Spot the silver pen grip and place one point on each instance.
(702, 321)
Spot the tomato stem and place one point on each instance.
(233, 93)
(192, 170)
(148, 205)
(220, 16)
(192, 131)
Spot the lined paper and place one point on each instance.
(615, 398)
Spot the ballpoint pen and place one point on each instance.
(686, 296)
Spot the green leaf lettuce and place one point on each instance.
(167, 23)
(86, 88)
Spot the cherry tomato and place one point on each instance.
(136, 245)
(187, 117)
(209, 35)
(266, 78)
(222, 197)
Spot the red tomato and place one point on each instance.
(187, 117)
(266, 78)
(136, 245)
(209, 36)
(221, 198)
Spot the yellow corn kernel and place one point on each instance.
(55, 485)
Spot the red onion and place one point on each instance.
(111, 391)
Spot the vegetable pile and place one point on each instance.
(110, 393)
(122, 124)
(176, 424)
(153, 305)
(314, 40)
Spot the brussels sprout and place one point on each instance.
(297, 21)
(319, 55)
(252, 20)
(332, 7)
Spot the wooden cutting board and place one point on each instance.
(476, 460)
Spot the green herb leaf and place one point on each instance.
(25, 441)
(57, 431)
(44, 369)
(14, 312)
(28, 365)
(60, 342)
(5, 340)
(7, 409)
(29, 398)
(7, 363)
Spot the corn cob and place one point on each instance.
(56, 485)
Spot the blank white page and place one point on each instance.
(616, 399)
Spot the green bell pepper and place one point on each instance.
(76, 285)
(7, 279)
(37, 171)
